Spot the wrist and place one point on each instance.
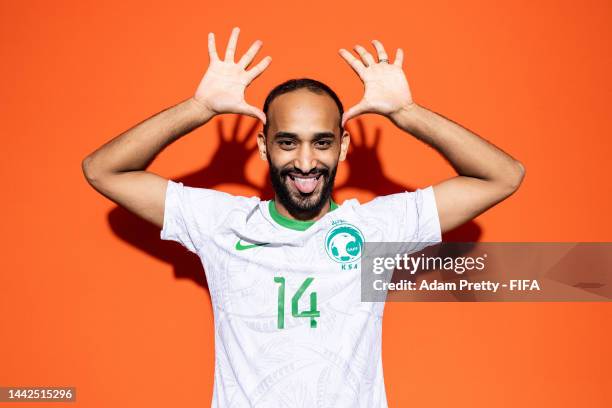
(405, 114)
(201, 108)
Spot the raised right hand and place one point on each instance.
(222, 88)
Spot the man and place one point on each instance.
(290, 329)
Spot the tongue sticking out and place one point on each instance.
(305, 185)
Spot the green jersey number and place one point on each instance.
(312, 313)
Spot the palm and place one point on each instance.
(224, 83)
(223, 86)
(386, 88)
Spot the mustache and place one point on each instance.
(323, 171)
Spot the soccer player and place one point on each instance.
(284, 274)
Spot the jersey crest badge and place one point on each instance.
(344, 243)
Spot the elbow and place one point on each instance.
(520, 175)
(88, 168)
(515, 176)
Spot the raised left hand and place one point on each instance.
(386, 89)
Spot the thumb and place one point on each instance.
(254, 112)
(355, 110)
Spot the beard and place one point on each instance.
(303, 206)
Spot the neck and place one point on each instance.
(303, 216)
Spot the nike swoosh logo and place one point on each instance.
(241, 247)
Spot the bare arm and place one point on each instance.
(118, 168)
(487, 175)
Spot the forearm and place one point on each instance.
(469, 154)
(136, 148)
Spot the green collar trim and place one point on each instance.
(297, 225)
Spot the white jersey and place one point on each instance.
(290, 327)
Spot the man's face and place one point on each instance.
(303, 147)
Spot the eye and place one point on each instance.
(286, 143)
(323, 143)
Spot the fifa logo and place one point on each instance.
(344, 243)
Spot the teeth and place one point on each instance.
(304, 178)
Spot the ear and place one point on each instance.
(261, 144)
(345, 140)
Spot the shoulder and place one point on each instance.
(406, 200)
(409, 215)
(382, 205)
(198, 196)
(207, 207)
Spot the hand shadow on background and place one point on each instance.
(228, 166)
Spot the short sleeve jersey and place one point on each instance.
(290, 327)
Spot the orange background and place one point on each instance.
(89, 295)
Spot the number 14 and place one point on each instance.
(312, 313)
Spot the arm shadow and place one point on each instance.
(239, 146)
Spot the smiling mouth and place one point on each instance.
(305, 184)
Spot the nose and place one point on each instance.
(305, 159)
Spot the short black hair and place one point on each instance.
(293, 85)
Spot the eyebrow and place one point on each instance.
(317, 136)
